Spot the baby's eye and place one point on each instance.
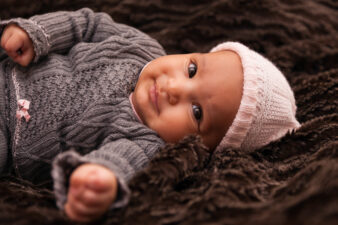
(192, 69)
(197, 112)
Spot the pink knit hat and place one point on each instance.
(267, 109)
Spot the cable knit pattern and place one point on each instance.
(87, 67)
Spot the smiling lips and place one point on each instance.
(154, 97)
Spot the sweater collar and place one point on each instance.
(131, 95)
(132, 106)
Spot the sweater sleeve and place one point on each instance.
(123, 157)
(60, 31)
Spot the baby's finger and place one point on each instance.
(90, 198)
(100, 200)
(25, 55)
(5, 37)
(76, 191)
(73, 215)
(13, 44)
(101, 180)
(13, 55)
(80, 209)
(77, 178)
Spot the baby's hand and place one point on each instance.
(92, 189)
(17, 44)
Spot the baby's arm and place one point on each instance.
(59, 31)
(123, 157)
(17, 44)
(92, 189)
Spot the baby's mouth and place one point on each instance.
(154, 97)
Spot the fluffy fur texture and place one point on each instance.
(290, 181)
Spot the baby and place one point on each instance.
(80, 81)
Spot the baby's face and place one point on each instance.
(177, 95)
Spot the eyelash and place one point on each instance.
(197, 111)
(199, 116)
(192, 69)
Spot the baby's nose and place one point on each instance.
(173, 100)
(177, 90)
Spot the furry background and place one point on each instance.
(291, 181)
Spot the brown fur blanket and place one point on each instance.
(291, 181)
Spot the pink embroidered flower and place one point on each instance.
(23, 109)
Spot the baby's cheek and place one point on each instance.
(173, 129)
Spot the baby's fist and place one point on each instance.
(17, 44)
(92, 189)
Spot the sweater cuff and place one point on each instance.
(36, 33)
(63, 166)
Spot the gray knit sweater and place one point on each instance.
(85, 68)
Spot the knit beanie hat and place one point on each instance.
(267, 109)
